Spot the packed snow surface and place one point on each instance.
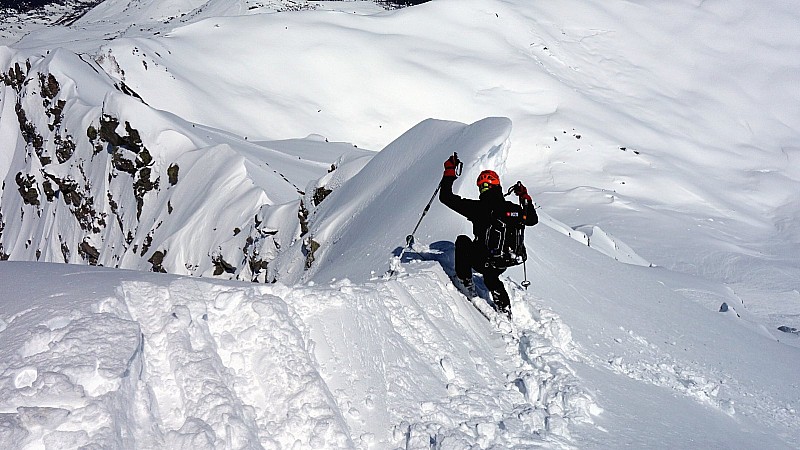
(658, 139)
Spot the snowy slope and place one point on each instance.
(381, 204)
(144, 361)
(224, 139)
(679, 118)
(189, 362)
(112, 181)
(600, 353)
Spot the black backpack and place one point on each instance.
(505, 237)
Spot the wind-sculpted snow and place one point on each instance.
(359, 226)
(365, 220)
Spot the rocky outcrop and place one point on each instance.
(90, 185)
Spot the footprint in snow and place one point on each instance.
(447, 368)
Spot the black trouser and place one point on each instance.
(472, 256)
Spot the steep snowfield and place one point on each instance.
(224, 139)
(380, 205)
(653, 120)
(600, 353)
(605, 355)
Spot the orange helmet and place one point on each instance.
(487, 179)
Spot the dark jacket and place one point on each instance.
(479, 211)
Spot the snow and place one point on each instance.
(364, 211)
(209, 363)
(658, 141)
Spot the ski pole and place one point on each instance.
(525, 282)
(410, 237)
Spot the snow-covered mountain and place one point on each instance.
(295, 143)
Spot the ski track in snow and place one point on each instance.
(645, 362)
(651, 365)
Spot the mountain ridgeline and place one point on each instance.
(95, 176)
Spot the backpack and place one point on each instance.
(505, 237)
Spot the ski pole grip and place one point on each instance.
(459, 164)
(514, 188)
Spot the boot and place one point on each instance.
(501, 302)
(467, 287)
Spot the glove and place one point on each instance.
(450, 166)
(522, 193)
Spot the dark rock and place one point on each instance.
(142, 186)
(172, 173)
(27, 189)
(65, 148)
(310, 246)
(157, 260)
(221, 266)
(319, 195)
(89, 253)
(64, 249)
(148, 241)
(108, 130)
(121, 164)
(28, 130)
(48, 190)
(49, 85)
(302, 214)
(143, 159)
(133, 140)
